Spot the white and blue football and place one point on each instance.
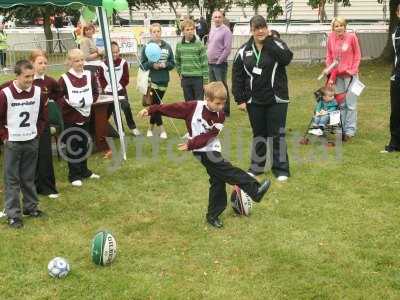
(58, 267)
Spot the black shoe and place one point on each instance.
(215, 222)
(264, 186)
(15, 223)
(390, 148)
(36, 213)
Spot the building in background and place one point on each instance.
(360, 10)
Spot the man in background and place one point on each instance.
(219, 48)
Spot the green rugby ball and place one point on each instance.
(104, 248)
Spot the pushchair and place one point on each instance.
(334, 126)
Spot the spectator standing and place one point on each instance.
(3, 45)
(343, 47)
(394, 143)
(260, 86)
(191, 63)
(201, 28)
(159, 76)
(219, 48)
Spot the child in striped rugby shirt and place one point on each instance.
(191, 63)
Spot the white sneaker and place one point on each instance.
(3, 213)
(149, 133)
(163, 135)
(282, 178)
(53, 196)
(76, 183)
(136, 132)
(317, 132)
(94, 176)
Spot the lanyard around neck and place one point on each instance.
(256, 54)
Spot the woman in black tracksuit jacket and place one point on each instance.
(259, 84)
(394, 143)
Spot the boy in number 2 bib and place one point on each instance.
(23, 115)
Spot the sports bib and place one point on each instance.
(80, 98)
(118, 74)
(22, 116)
(200, 126)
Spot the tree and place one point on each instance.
(274, 9)
(320, 4)
(388, 53)
(42, 11)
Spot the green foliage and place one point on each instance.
(321, 3)
(274, 8)
(40, 11)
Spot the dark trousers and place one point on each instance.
(126, 108)
(157, 97)
(192, 88)
(3, 58)
(395, 114)
(221, 172)
(45, 180)
(76, 140)
(268, 125)
(219, 73)
(20, 160)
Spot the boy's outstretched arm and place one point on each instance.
(179, 110)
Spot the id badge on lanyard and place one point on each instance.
(256, 69)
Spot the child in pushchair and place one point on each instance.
(325, 112)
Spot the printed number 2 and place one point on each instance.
(82, 102)
(24, 122)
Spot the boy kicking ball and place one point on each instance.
(204, 121)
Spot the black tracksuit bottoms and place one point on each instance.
(395, 114)
(45, 180)
(78, 148)
(221, 172)
(268, 124)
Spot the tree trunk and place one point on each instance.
(255, 7)
(388, 52)
(321, 11)
(46, 13)
(210, 9)
(171, 5)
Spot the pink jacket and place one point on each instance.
(346, 50)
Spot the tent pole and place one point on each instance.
(105, 31)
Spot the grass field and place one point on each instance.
(330, 232)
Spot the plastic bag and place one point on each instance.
(142, 81)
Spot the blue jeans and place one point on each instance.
(349, 111)
(321, 121)
(219, 73)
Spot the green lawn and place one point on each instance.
(330, 232)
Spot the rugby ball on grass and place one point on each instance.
(241, 202)
(104, 248)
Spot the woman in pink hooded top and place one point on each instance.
(343, 47)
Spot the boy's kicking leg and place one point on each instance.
(222, 171)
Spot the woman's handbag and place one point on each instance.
(147, 99)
